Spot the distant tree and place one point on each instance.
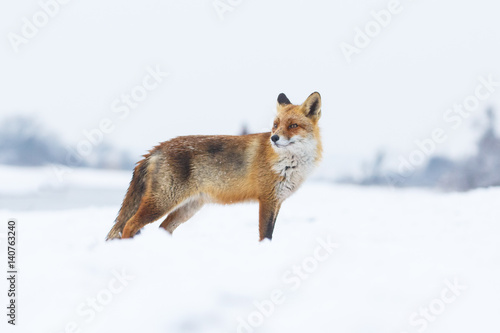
(479, 170)
(23, 141)
(485, 164)
(244, 129)
(482, 169)
(106, 156)
(373, 170)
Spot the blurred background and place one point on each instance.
(390, 73)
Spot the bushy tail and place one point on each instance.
(132, 199)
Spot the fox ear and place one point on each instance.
(312, 106)
(283, 100)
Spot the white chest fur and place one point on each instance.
(295, 163)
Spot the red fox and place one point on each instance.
(179, 176)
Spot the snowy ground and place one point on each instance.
(343, 259)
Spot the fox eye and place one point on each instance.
(293, 126)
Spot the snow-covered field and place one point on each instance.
(343, 259)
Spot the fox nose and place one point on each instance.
(275, 138)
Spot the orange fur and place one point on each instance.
(178, 176)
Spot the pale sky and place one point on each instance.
(224, 73)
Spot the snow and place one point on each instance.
(390, 255)
(34, 179)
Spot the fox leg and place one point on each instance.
(149, 211)
(268, 211)
(182, 214)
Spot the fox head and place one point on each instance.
(296, 126)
